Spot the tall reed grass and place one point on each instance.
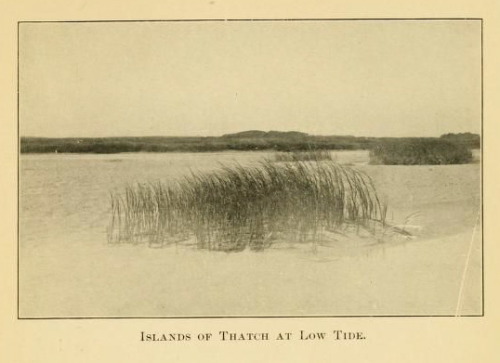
(238, 207)
(420, 152)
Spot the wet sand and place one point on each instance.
(67, 269)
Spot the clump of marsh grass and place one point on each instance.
(311, 155)
(238, 207)
(420, 152)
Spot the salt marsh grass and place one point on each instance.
(238, 207)
(313, 155)
(420, 152)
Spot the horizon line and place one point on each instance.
(239, 132)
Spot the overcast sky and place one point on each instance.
(363, 78)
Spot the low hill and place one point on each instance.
(263, 134)
(466, 138)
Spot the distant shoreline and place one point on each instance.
(243, 141)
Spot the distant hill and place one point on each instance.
(263, 134)
(466, 138)
(461, 136)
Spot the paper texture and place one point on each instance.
(103, 70)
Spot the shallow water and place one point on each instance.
(68, 269)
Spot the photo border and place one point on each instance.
(481, 315)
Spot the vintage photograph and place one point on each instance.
(250, 168)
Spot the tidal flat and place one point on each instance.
(68, 268)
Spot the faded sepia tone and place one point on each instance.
(362, 78)
(97, 235)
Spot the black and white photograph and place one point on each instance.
(241, 168)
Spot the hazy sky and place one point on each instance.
(364, 78)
